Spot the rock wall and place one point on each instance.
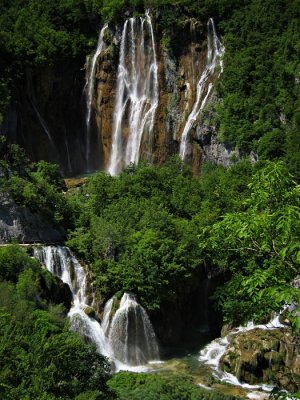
(178, 75)
(48, 114)
(21, 224)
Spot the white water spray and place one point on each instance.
(215, 51)
(131, 334)
(126, 338)
(90, 85)
(136, 95)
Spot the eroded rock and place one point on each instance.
(264, 356)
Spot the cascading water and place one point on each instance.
(213, 352)
(127, 338)
(90, 85)
(131, 335)
(136, 95)
(60, 262)
(215, 51)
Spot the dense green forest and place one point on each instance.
(152, 230)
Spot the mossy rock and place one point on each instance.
(90, 312)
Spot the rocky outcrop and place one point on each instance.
(21, 224)
(54, 290)
(206, 135)
(266, 356)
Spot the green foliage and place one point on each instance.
(260, 247)
(39, 357)
(38, 187)
(14, 260)
(259, 84)
(131, 386)
(139, 230)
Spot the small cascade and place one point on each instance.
(90, 85)
(106, 320)
(215, 51)
(60, 261)
(213, 352)
(126, 338)
(136, 95)
(131, 334)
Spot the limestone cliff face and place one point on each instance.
(49, 115)
(178, 76)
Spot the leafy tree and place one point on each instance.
(14, 260)
(259, 246)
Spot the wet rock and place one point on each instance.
(90, 312)
(264, 356)
(55, 290)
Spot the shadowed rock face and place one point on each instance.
(47, 116)
(21, 224)
(263, 356)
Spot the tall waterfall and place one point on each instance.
(136, 95)
(215, 51)
(90, 85)
(127, 337)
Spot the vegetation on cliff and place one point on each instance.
(38, 187)
(139, 231)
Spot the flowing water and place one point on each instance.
(90, 86)
(213, 352)
(131, 334)
(126, 337)
(214, 63)
(136, 95)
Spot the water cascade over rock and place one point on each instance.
(130, 333)
(214, 64)
(143, 99)
(213, 353)
(127, 337)
(136, 95)
(60, 262)
(90, 86)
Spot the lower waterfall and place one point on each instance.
(127, 338)
(131, 334)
